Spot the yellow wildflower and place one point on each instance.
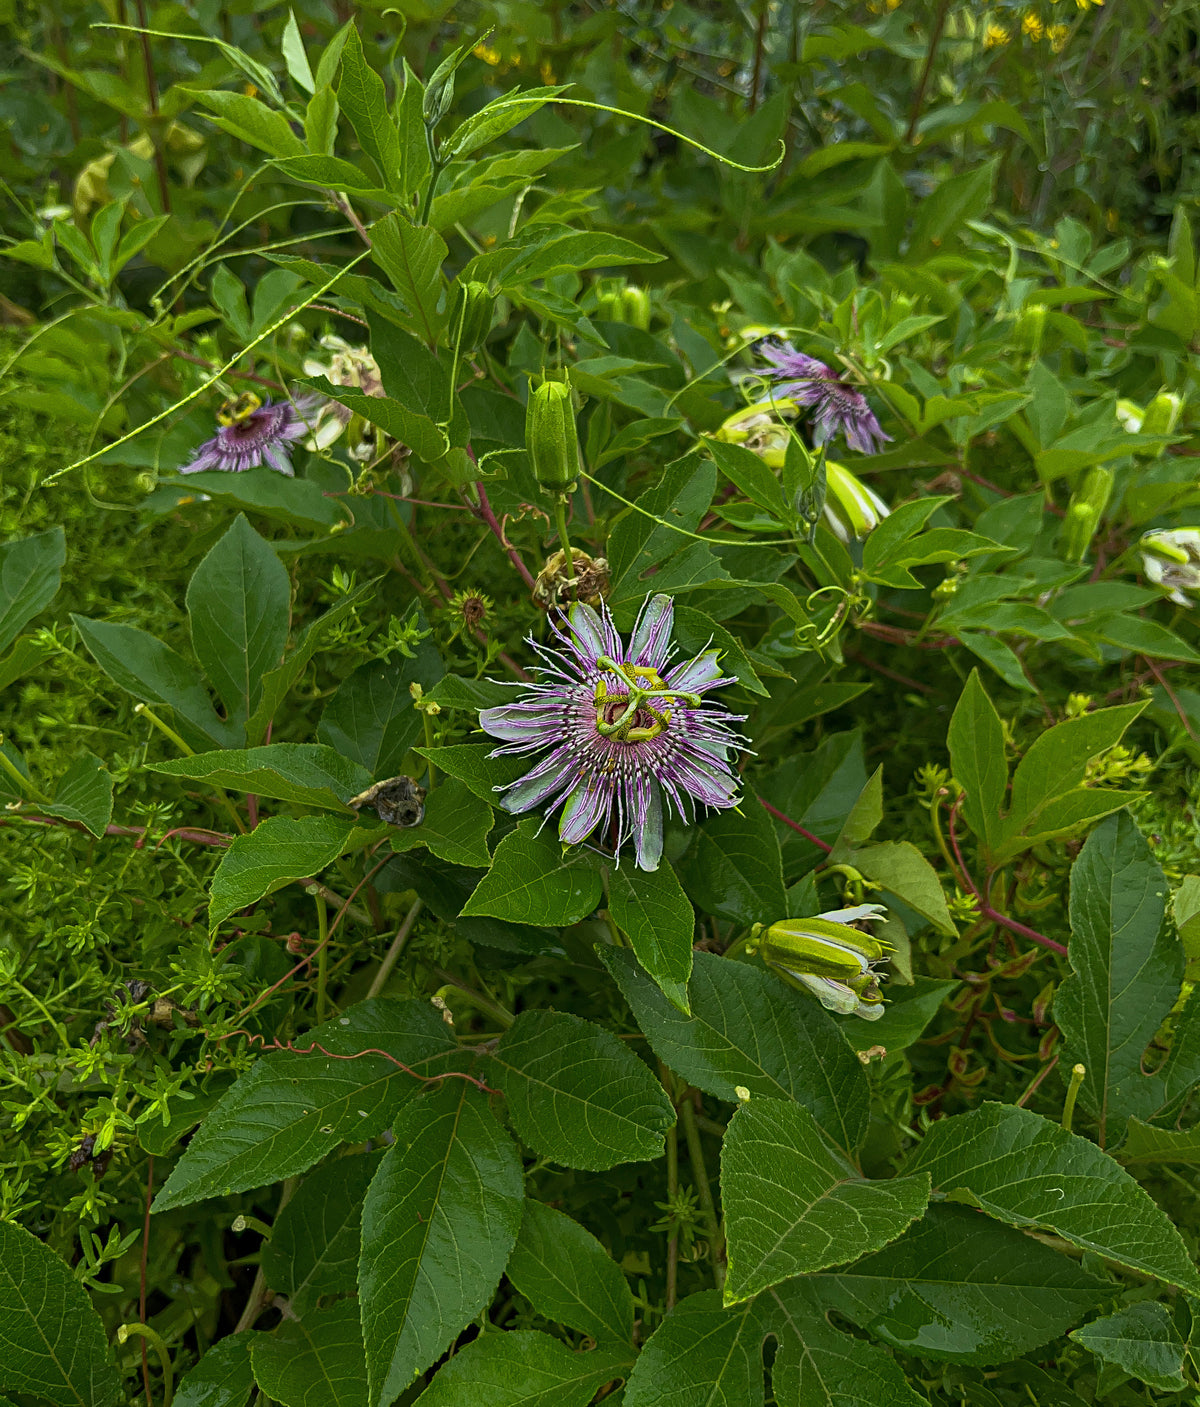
(1087, 4)
(487, 54)
(995, 35)
(1032, 26)
(1057, 34)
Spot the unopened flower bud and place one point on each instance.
(1162, 414)
(635, 307)
(1029, 328)
(1171, 560)
(1084, 512)
(828, 957)
(551, 438)
(471, 315)
(1130, 416)
(852, 510)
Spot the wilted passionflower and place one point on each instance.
(356, 368)
(1171, 559)
(622, 732)
(828, 957)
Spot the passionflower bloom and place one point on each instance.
(838, 409)
(829, 957)
(1171, 559)
(253, 432)
(625, 734)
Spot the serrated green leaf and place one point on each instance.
(412, 257)
(1142, 1340)
(361, 96)
(1146, 1144)
(701, 1356)
(305, 773)
(316, 1361)
(222, 1378)
(733, 866)
(30, 571)
(532, 882)
(84, 794)
(154, 673)
(371, 717)
(652, 910)
(277, 851)
(314, 1243)
(522, 1368)
(977, 761)
(1126, 968)
(439, 1221)
(290, 1110)
(471, 765)
(747, 1028)
(52, 1342)
(455, 826)
(898, 867)
(792, 1206)
(577, 1095)
(239, 603)
(1022, 1169)
(961, 1288)
(568, 1276)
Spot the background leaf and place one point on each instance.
(523, 1369)
(30, 571)
(652, 910)
(1142, 1340)
(316, 1361)
(277, 851)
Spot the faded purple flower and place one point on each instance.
(253, 432)
(621, 731)
(837, 407)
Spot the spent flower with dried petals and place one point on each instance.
(253, 432)
(627, 737)
(837, 407)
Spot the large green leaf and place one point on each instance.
(439, 1222)
(151, 671)
(532, 882)
(305, 773)
(371, 717)
(568, 1276)
(1022, 1169)
(733, 867)
(976, 743)
(412, 257)
(222, 1378)
(1140, 1339)
(747, 1028)
(792, 1206)
(314, 1243)
(239, 604)
(84, 794)
(455, 826)
(523, 1368)
(316, 1361)
(277, 851)
(1126, 971)
(290, 1110)
(576, 1095)
(961, 1287)
(363, 98)
(52, 1342)
(30, 570)
(653, 911)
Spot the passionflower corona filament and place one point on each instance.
(626, 735)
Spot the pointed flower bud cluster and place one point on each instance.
(829, 957)
(1171, 560)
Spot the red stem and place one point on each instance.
(484, 511)
(795, 825)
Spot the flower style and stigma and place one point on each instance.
(828, 956)
(629, 735)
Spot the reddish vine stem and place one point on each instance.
(1170, 693)
(287, 1046)
(795, 825)
(985, 908)
(485, 512)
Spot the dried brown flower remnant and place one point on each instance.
(553, 588)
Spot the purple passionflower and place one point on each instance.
(837, 407)
(621, 731)
(253, 432)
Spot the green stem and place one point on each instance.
(477, 999)
(167, 732)
(672, 1193)
(164, 1358)
(687, 1117)
(429, 745)
(322, 958)
(23, 783)
(560, 523)
(392, 956)
(435, 171)
(1078, 1072)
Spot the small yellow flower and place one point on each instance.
(995, 35)
(1087, 4)
(1032, 26)
(487, 54)
(1058, 34)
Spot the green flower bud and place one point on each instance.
(1029, 328)
(551, 437)
(471, 314)
(1162, 414)
(1130, 415)
(1084, 512)
(827, 957)
(635, 307)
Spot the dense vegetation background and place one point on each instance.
(313, 1099)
